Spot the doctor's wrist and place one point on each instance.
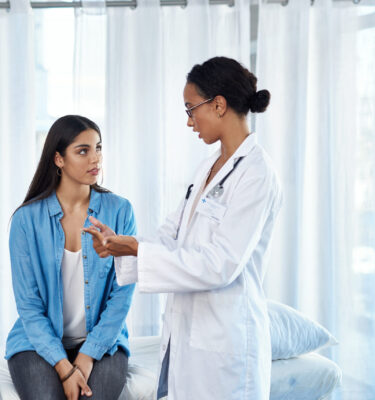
(134, 247)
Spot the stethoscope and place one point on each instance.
(216, 192)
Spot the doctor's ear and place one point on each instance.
(59, 160)
(220, 105)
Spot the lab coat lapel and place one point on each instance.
(200, 176)
(242, 151)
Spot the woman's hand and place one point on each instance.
(85, 364)
(76, 384)
(106, 242)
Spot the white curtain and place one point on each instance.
(90, 60)
(151, 155)
(130, 68)
(17, 134)
(307, 58)
(128, 75)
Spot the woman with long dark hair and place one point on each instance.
(210, 255)
(70, 340)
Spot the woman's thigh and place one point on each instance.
(34, 378)
(108, 377)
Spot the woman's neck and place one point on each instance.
(233, 136)
(73, 196)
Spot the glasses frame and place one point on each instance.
(190, 109)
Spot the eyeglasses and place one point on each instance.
(189, 110)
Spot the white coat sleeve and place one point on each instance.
(217, 263)
(126, 267)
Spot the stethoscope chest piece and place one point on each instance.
(216, 192)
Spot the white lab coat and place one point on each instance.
(216, 314)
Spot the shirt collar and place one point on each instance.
(246, 146)
(243, 150)
(54, 206)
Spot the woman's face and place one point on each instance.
(204, 118)
(83, 158)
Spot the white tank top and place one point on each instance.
(73, 300)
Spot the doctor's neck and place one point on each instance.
(234, 132)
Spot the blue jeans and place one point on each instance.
(163, 379)
(34, 378)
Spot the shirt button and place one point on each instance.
(88, 307)
(83, 232)
(84, 256)
(87, 282)
(164, 347)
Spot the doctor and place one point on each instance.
(210, 254)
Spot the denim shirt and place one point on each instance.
(36, 249)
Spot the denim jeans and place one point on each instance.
(163, 379)
(34, 378)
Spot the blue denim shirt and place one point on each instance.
(36, 249)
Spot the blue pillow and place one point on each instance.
(307, 377)
(293, 333)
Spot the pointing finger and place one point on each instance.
(96, 234)
(97, 223)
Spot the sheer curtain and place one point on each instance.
(151, 154)
(129, 70)
(307, 58)
(17, 135)
(90, 60)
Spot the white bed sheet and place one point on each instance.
(307, 377)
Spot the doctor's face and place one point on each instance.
(82, 160)
(203, 118)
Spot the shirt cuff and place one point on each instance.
(126, 270)
(54, 355)
(93, 350)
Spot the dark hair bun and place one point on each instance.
(259, 101)
(228, 78)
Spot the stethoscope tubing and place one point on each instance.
(190, 188)
(221, 183)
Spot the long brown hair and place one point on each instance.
(61, 134)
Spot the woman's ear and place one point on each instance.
(220, 106)
(59, 161)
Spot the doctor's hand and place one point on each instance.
(121, 245)
(106, 242)
(99, 236)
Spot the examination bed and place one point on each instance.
(307, 377)
(298, 373)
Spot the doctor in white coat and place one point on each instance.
(210, 255)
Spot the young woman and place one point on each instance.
(210, 255)
(70, 340)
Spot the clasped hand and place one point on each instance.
(75, 385)
(107, 243)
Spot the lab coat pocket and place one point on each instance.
(211, 209)
(219, 323)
